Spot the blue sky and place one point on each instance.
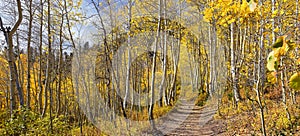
(88, 29)
(89, 9)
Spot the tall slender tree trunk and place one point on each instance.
(262, 49)
(47, 81)
(151, 104)
(58, 105)
(273, 22)
(236, 92)
(260, 75)
(211, 61)
(8, 34)
(29, 53)
(13, 79)
(176, 57)
(127, 84)
(69, 25)
(40, 95)
(162, 86)
(294, 100)
(19, 70)
(258, 94)
(212, 55)
(35, 81)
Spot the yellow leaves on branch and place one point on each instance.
(280, 48)
(229, 11)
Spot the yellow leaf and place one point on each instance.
(295, 81)
(241, 19)
(281, 12)
(281, 51)
(274, 14)
(272, 77)
(272, 61)
(276, 30)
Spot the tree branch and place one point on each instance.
(14, 29)
(1, 25)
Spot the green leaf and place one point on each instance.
(295, 81)
(279, 42)
(292, 45)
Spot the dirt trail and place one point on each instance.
(187, 119)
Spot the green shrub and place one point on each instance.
(25, 122)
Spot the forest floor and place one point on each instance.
(188, 119)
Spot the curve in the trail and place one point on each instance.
(146, 24)
(187, 119)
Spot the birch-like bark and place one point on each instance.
(40, 94)
(211, 62)
(294, 100)
(233, 69)
(151, 104)
(214, 55)
(273, 22)
(176, 57)
(127, 84)
(163, 84)
(8, 34)
(260, 75)
(29, 53)
(19, 70)
(60, 66)
(46, 86)
(258, 93)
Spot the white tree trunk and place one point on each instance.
(233, 69)
(151, 104)
(129, 56)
